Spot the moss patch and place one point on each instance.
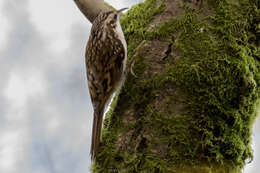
(219, 72)
(136, 22)
(213, 70)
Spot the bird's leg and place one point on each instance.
(132, 61)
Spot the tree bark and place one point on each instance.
(192, 105)
(91, 8)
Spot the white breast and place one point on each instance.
(122, 38)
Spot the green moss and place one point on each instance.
(219, 74)
(135, 22)
(215, 75)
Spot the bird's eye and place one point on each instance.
(115, 16)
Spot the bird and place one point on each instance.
(106, 66)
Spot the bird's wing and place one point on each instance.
(104, 67)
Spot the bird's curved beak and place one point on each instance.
(119, 11)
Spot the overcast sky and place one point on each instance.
(45, 108)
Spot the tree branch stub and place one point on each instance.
(91, 8)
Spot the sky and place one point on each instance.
(45, 108)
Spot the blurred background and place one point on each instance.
(45, 108)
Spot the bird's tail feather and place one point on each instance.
(96, 134)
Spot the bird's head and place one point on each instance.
(114, 17)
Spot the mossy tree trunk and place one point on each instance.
(192, 105)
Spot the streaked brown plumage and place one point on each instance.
(106, 54)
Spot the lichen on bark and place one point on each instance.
(192, 106)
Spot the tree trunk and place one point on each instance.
(192, 105)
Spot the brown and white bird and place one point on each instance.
(106, 56)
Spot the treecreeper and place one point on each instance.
(106, 57)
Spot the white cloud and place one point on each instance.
(52, 123)
(20, 88)
(4, 27)
(8, 150)
(59, 44)
(253, 167)
(15, 91)
(49, 18)
(54, 19)
(12, 150)
(123, 3)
